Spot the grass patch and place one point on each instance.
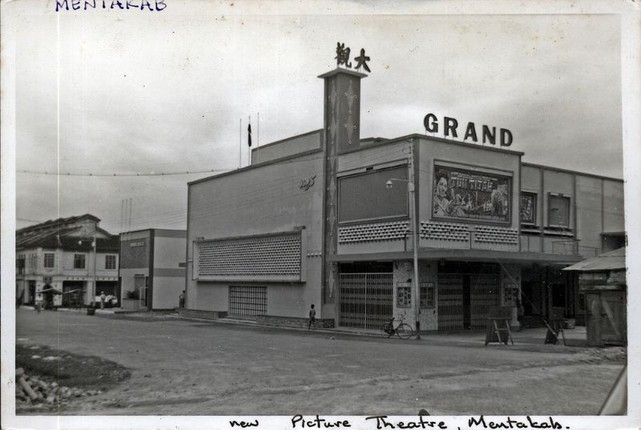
(71, 370)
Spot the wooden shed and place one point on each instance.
(602, 282)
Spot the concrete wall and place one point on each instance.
(427, 271)
(166, 291)
(169, 249)
(393, 153)
(613, 207)
(287, 147)
(134, 254)
(169, 277)
(259, 200)
(590, 214)
(596, 206)
(208, 296)
(263, 199)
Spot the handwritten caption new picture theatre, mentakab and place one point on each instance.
(382, 422)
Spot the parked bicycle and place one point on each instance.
(402, 330)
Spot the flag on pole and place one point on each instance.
(249, 135)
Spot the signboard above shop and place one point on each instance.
(460, 193)
(451, 128)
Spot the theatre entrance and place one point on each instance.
(466, 293)
(366, 295)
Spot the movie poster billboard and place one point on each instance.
(465, 194)
(528, 208)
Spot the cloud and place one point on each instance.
(168, 94)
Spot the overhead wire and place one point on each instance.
(186, 172)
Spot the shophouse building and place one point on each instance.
(152, 268)
(331, 219)
(70, 259)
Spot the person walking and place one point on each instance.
(181, 300)
(102, 299)
(312, 318)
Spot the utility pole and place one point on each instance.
(415, 225)
(94, 245)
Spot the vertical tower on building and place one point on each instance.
(341, 125)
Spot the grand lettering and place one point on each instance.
(469, 132)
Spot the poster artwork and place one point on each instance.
(467, 194)
(528, 208)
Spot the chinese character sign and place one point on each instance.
(467, 194)
(342, 58)
(342, 55)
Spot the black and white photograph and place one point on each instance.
(313, 215)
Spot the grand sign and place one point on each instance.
(470, 132)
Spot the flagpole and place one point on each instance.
(249, 148)
(240, 141)
(258, 138)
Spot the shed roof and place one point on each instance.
(613, 260)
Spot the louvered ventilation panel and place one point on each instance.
(497, 235)
(266, 256)
(444, 231)
(373, 232)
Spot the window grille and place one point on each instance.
(21, 263)
(484, 294)
(366, 299)
(427, 295)
(79, 261)
(247, 301)
(450, 301)
(110, 262)
(49, 259)
(558, 211)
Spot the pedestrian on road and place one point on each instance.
(312, 318)
(181, 300)
(102, 299)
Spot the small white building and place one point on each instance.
(152, 268)
(66, 262)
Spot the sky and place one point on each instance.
(101, 95)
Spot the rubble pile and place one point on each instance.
(617, 353)
(599, 355)
(33, 391)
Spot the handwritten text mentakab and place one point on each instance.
(150, 5)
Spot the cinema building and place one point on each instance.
(327, 218)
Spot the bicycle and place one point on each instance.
(402, 330)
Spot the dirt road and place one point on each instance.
(182, 367)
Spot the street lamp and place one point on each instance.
(414, 220)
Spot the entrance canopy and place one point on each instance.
(462, 254)
(613, 260)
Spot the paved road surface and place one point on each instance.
(182, 367)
